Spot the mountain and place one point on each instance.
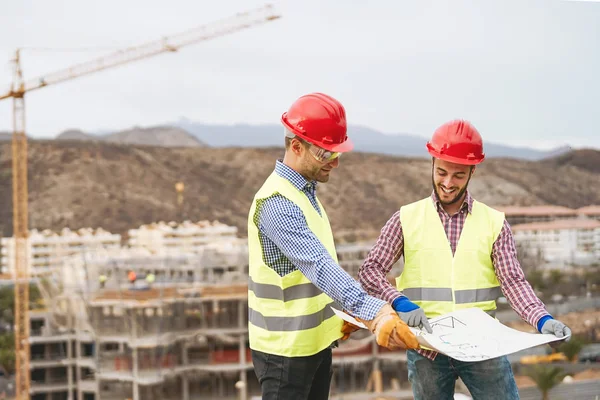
(365, 140)
(586, 159)
(76, 134)
(100, 184)
(5, 136)
(164, 136)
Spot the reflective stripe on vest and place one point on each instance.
(269, 291)
(433, 277)
(292, 323)
(445, 294)
(288, 316)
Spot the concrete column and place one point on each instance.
(77, 367)
(185, 388)
(243, 376)
(375, 353)
(242, 309)
(70, 370)
(184, 354)
(134, 357)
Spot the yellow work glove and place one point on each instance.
(347, 329)
(390, 331)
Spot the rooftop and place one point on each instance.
(589, 210)
(536, 210)
(563, 224)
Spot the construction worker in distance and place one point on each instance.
(102, 278)
(294, 274)
(132, 277)
(150, 278)
(458, 253)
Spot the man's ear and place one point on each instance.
(473, 168)
(297, 147)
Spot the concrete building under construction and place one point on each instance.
(182, 335)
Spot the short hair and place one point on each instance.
(289, 136)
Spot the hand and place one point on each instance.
(411, 313)
(347, 329)
(416, 319)
(390, 331)
(556, 328)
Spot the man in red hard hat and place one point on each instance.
(458, 253)
(294, 277)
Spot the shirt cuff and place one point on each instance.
(542, 321)
(390, 294)
(370, 308)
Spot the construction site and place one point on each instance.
(161, 311)
(182, 335)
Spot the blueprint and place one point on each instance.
(472, 335)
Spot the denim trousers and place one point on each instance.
(293, 378)
(486, 380)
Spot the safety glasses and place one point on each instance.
(319, 154)
(322, 155)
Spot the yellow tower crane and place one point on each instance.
(19, 151)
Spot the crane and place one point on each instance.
(19, 151)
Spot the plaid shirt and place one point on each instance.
(390, 247)
(288, 245)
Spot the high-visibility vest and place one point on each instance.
(436, 280)
(288, 315)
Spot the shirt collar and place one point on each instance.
(467, 202)
(300, 182)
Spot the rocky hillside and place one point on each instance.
(117, 187)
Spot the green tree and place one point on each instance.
(536, 279)
(7, 301)
(7, 352)
(556, 277)
(571, 348)
(545, 377)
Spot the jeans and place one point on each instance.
(293, 378)
(486, 380)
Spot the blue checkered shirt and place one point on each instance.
(288, 245)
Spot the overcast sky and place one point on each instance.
(524, 72)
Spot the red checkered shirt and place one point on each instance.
(390, 247)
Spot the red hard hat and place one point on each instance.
(319, 119)
(457, 141)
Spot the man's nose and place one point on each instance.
(335, 163)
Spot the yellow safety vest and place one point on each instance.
(288, 316)
(435, 279)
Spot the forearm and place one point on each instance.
(385, 253)
(284, 224)
(516, 289)
(330, 278)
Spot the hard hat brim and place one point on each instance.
(455, 160)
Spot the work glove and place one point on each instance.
(411, 313)
(556, 328)
(347, 329)
(390, 331)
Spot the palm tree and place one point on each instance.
(571, 348)
(545, 377)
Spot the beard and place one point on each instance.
(459, 196)
(313, 172)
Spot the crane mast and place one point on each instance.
(20, 234)
(19, 152)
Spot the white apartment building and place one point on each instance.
(525, 214)
(46, 249)
(561, 242)
(187, 237)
